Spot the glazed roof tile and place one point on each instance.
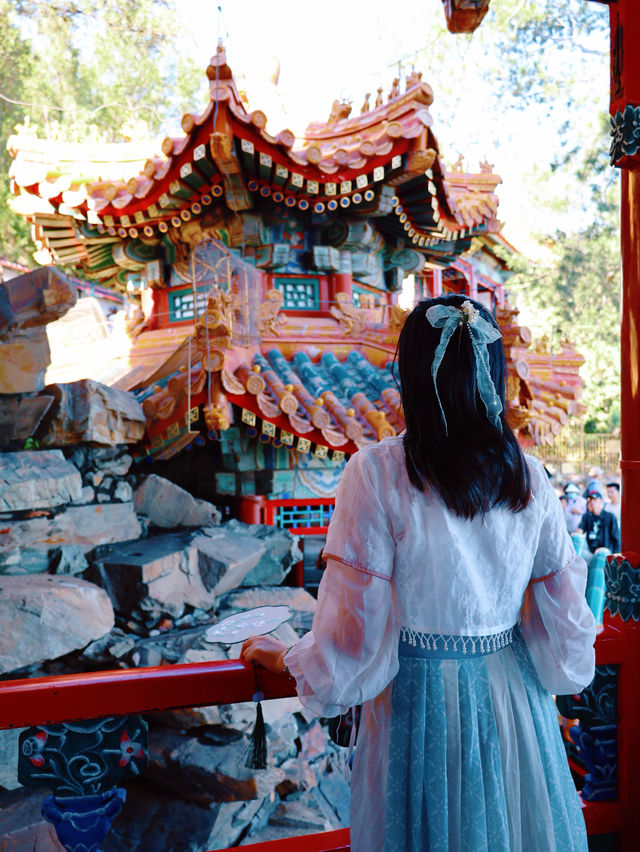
(343, 405)
(346, 402)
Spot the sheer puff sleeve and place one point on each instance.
(556, 623)
(351, 652)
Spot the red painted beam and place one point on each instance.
(49, 700)
(327, 841)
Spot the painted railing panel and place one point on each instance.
(83, 761)
(44, 703)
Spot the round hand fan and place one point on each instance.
(251, 622)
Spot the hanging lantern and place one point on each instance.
(464, 16)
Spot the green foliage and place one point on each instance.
(574, 289)
(540, 55)
(547, 48)
(106, 70)
(544, 57)
(89, 70)
(14, 68)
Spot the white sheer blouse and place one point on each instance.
(397, 557)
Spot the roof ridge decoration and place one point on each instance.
(383, 165)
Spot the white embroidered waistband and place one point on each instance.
(414, 643)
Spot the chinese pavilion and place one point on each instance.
(265, 271)
(98, 224)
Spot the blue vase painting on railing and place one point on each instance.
(596, 734)
(83, 762)
(83, 822)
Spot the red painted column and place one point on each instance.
(340, 283)
(158, 309)
(621, 631)
(437, 282)
(630, 354)
(473, 283)
(624, 18)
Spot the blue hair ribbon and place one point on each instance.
(481, 333)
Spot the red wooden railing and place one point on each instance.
(327, 841)
(619, 644)
(50, 700)
(261, 510)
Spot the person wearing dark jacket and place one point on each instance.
(600, 528)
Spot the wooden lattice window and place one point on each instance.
(181, 305)
(300, 294)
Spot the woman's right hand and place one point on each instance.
(265, 651)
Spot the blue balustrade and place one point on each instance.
(288, 517)
(579, 543)
(596, 583)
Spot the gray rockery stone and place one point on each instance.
(49, 617)
(158, 573)
(226, 556)
(167, 505)
(281, 552)
(201, 770)
(37, 479)
(83, 526)
(87, 411)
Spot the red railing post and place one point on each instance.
(619, 643)
(251, 510)
(267, 509)
(630, 359)
(625, 570)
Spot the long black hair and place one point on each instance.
(471, 463)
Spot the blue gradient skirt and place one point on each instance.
(476, 760)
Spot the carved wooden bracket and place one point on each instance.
(270, 320)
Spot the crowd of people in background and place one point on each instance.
(593, 510)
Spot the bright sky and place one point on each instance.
(345, 48)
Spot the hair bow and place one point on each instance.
(481, 333)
